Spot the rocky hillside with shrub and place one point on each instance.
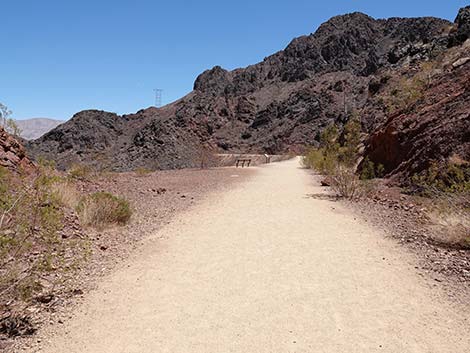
(434, 126)
(347, 67)
(44, 222)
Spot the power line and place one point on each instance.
(158, 97)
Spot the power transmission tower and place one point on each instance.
(158, 97)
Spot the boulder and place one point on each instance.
(12, 154)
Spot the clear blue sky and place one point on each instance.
(59, 57)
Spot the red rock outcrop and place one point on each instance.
(437, 128)
(12, 154)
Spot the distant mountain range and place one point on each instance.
(32, 129)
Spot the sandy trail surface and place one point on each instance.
(265, 267)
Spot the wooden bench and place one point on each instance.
(243, 161)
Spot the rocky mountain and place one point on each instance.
(280, 104)
(32, 129)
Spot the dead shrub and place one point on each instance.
(450, 216)
(80, 172)
(142, 171)
(206, 157)
(102, 209)
(346, 183)
(66, 194)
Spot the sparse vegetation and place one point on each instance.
(80, 172)
(102, 209)
(66, 193)
(31, 217)
(406, 91)
(450, 214)
(142, 171)
(450, 177)
(447, 186)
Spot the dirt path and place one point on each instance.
(265, 268)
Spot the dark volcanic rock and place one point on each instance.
(87, 137)
(461, 32)
(213, 81)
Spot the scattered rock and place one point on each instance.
(460, 62)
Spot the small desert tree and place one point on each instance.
(4, 114)
(7, 123)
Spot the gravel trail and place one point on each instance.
(265, 267)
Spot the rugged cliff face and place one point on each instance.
(280, 104)
(436, 128)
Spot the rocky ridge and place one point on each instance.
(278, 105)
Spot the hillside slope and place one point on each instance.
(280, 104)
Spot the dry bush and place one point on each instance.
(66, 194)
(142, 171)
(450, 215)
(205, 157)
(346, 183)
(102, 209)
(80, 172)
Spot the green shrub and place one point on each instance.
(371, 171)
(338, 160)
(319, 160)
(101, 209)
(448, 178)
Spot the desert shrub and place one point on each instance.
(66, 193)
(346, 183)
(80, 172)
(407, 92)
(31, 217)
(443, 177)
(349, 150)
(142, 171)
(336, 159)
(319, 160)
(101, 209)
(370, 170)
(450, 213)
(206, 157)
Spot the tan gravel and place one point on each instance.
(264, 267)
